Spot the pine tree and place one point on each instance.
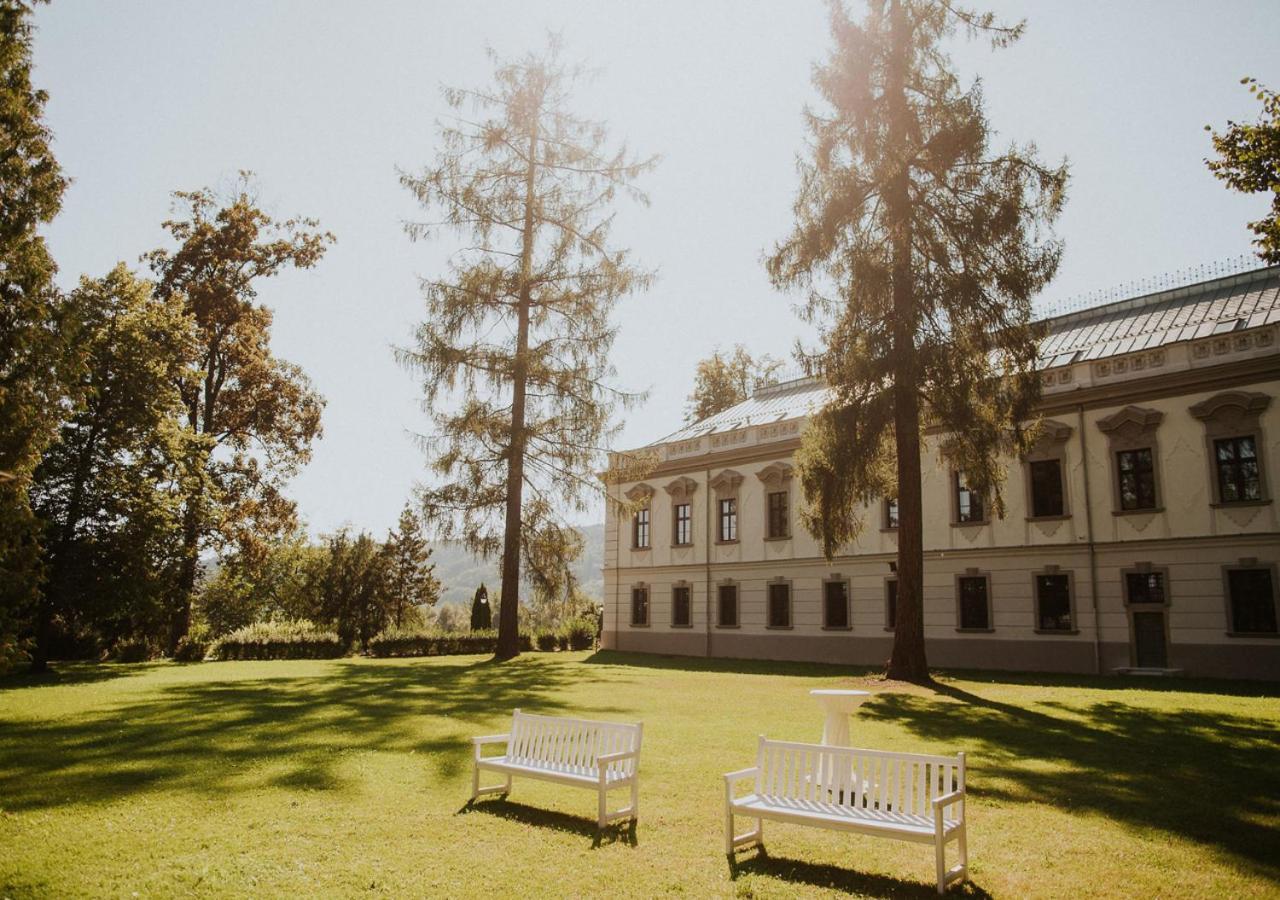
(514, 354)
(919, 250)
(411, 574)
(1249, 162)
(481, 613)
(38, 354)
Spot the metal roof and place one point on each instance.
(1218, 306)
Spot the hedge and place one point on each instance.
(280, 640)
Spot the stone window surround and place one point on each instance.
(884, 515)
(776, 478)
(1145, 568)
(975, 573)
(681, 491)
(1052, 445)
(768, 601)
(837, 578)
(1035, 600)
(641, 496)
(1133, 428)
(737, 586)
(954, 481)
(1234, 414)
(688, 586)
(1250, 563)
(648, 605)
(726, 485)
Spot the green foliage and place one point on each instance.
(248, 588)
(15, 653)
(350, 588)
(39, 359)
(191, 649)
(725, 380)
(411, 580)
(514, 354)
(136, 650)
(583, 632)
(545, 640)
(433, 642)
(292, 639)
(1249, 162)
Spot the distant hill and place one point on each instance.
(460, 573)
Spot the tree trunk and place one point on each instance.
(181, 623)
(908, 661)
(509, 615)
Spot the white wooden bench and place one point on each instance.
(908, 796)
(583, 753)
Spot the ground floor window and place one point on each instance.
(1144, 587)
(891, 603)
(681, 608)
(1252, 598)
(727, 614)
(780, 605)
(975, 602)
(835, 604)
(639, 606)
(1053, 602)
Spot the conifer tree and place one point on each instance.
(514, 352)
(919, 249)
(481, 612)
(411, 579)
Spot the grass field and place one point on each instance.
(349, 777)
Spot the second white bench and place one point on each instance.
(600, 756)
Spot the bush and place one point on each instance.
(298, 639)
(190, 650)
(545, 640)
(14, 653)
(581, 633)
(135, 651)
(428, 642)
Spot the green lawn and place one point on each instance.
(351, 777)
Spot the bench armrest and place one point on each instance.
(731, 777)
(491, 739)
(946, 800)
(605, 759)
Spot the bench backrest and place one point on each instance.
(902, 783)
(572, 744)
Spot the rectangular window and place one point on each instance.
(1137, 476)
(1053, 602)
(1145, 587)
(684, 524)
(835, 604)
(729, 519)
(891, 513)
(779, 605)
(1253, 601)
(640, 529)
(1237, 462)
(640, 606)
(727, 616)
(681, 608)
(891, 603)
(1046, 488)
(778, 515)
(974, 610)
(968, 504)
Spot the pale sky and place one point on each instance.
(324, 100)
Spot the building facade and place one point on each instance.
(1140, 533)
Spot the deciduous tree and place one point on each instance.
(919, 248)
(725, 380)
(1249, 162)
(514, 352)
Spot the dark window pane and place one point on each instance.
(780, 606)
(777, 524)
(891, 513)
(1053, 603)
(729, 519)
(891, 611)
(1046, 488)
(1137, 479)
(835, 606)
(1145, 587)
(639, 606)
(1253, 602)
(684, 524)
(680, 611)
(969, 506)
(640, 532)
(973, 603)
(1237, 462)
(728, 604)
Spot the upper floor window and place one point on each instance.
(640, 529)
(639, 606)
(681, 608)
(974, 600)
(683, 518)
(1053, 602)
(835, 604)
(969, 506)
(1252, 599)
(891, 513)
(1136, 474)
(1236, 459)
(728, 519)
(1046, 487)
(777, 515)
(780, 605)
(727, 612)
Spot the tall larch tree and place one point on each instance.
(513, 354)
(1249, 161)
(38, 357)
(919, 249)
(106, 489)
(255, 415)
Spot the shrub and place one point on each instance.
(545, 640)
(14, 653)
(429, 642)
(190, 649)
(581, 633)
(298, 639)
(135, 651)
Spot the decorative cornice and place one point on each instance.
(640, 493)
(682, 488)
(726, 482)
(1240, 403)
(1140, 417)
(775, 474)
(1053, 432)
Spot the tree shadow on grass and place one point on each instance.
(862, 884)
(211, 736)
(625, 659)
(72, 673)
(502, 808)
(1210, 777)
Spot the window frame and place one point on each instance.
(1131, 606)
(887, 522)
(891, 622)
(1251, 566)
(1234, 414)
(956, 521)
(641, 525)
(768, 604)
(1050, 447)
(1236, 463)
(648, 605)
(1127, 429)
(769, 534)
(737, 604)
(677, 522)
(975, 575)
(688, 589)
(837, 578)
(727, 486)
(723, 518)
(1054, 572)
(1149, 469)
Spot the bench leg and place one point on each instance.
(940, 855)
(635, 798)
(602, 816)
(728, 831)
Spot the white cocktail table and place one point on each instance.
(838, 705)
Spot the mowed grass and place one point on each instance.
(350, 777)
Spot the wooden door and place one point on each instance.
(1149, 648)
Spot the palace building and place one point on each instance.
(1141, 533)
